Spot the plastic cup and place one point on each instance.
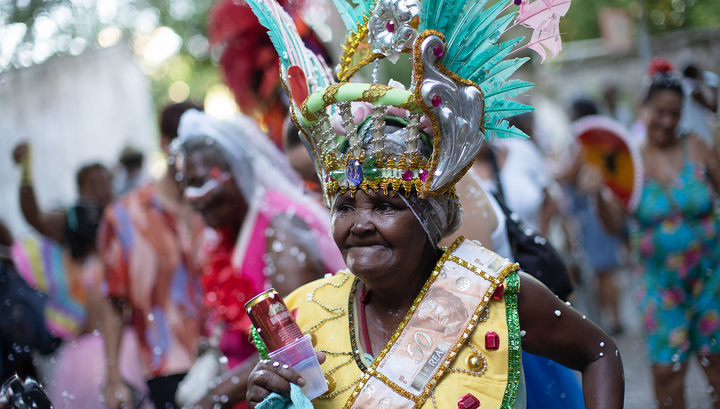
(300, 355)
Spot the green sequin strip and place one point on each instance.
(512, 286)
(259, 344)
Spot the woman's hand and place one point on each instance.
(590, 179)
(273, 376)
(20, 153)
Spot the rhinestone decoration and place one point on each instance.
(499, 291)
(389, 29)
(492, 341)
(436, 100)
(354, 172)
(423, 173)
(407, 174)
(438, 51)
(468, 402)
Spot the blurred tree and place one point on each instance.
(581, 22)
(170, 40)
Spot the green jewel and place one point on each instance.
(338, 175)
(369, 163)
(372, 173)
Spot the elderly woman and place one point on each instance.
(401, 290)
(263, 231)
(410, 324)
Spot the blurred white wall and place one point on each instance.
(74, 111)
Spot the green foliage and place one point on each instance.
(581, 22)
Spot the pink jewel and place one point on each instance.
(436, 100)
(407, 174)
(499, 291)
(468, 402)
(438, 51)
(492, 341)
(390, 26)
(423, 173)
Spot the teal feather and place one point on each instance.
(430, 11)
(502, 130)
(476, 20)
(501, 109)
(467, 34)
(346, 14)
(265, 17)
(481, 41)
(482, 62)
(506, 89)
(502, 71)
(352, 15)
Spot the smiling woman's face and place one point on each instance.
(378, 236)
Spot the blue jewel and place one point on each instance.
(354, 172)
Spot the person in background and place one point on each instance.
(94, 183)
(11, 362)
(697, 107)
(131, 174)
(264, 231)
(148, 242)
(63, 264)
(601, 248)
(674, 234)
(522, 173)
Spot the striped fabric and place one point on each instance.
(46, 266)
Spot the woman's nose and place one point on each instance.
(362, 224)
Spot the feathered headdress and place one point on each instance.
(457, 98)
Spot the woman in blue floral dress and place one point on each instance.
(674, 233)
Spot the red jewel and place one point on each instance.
(438, 51)
(390, 26)
(499, 291)
(423, 173)
(468, 402)
(492, 341)
(436, 100)
(407, 174)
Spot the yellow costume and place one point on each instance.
(327, 309)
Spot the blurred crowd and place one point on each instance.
(135, 293)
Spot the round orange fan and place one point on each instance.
(610, 148)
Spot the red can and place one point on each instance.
(270, 316)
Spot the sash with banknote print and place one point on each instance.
(439, 322)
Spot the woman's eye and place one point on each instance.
(344, 208)
(385, 207)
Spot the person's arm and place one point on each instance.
(701, 153)
(698, 96)
(295, 258)
(547, 211)
(555, 330)
(48, 224)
